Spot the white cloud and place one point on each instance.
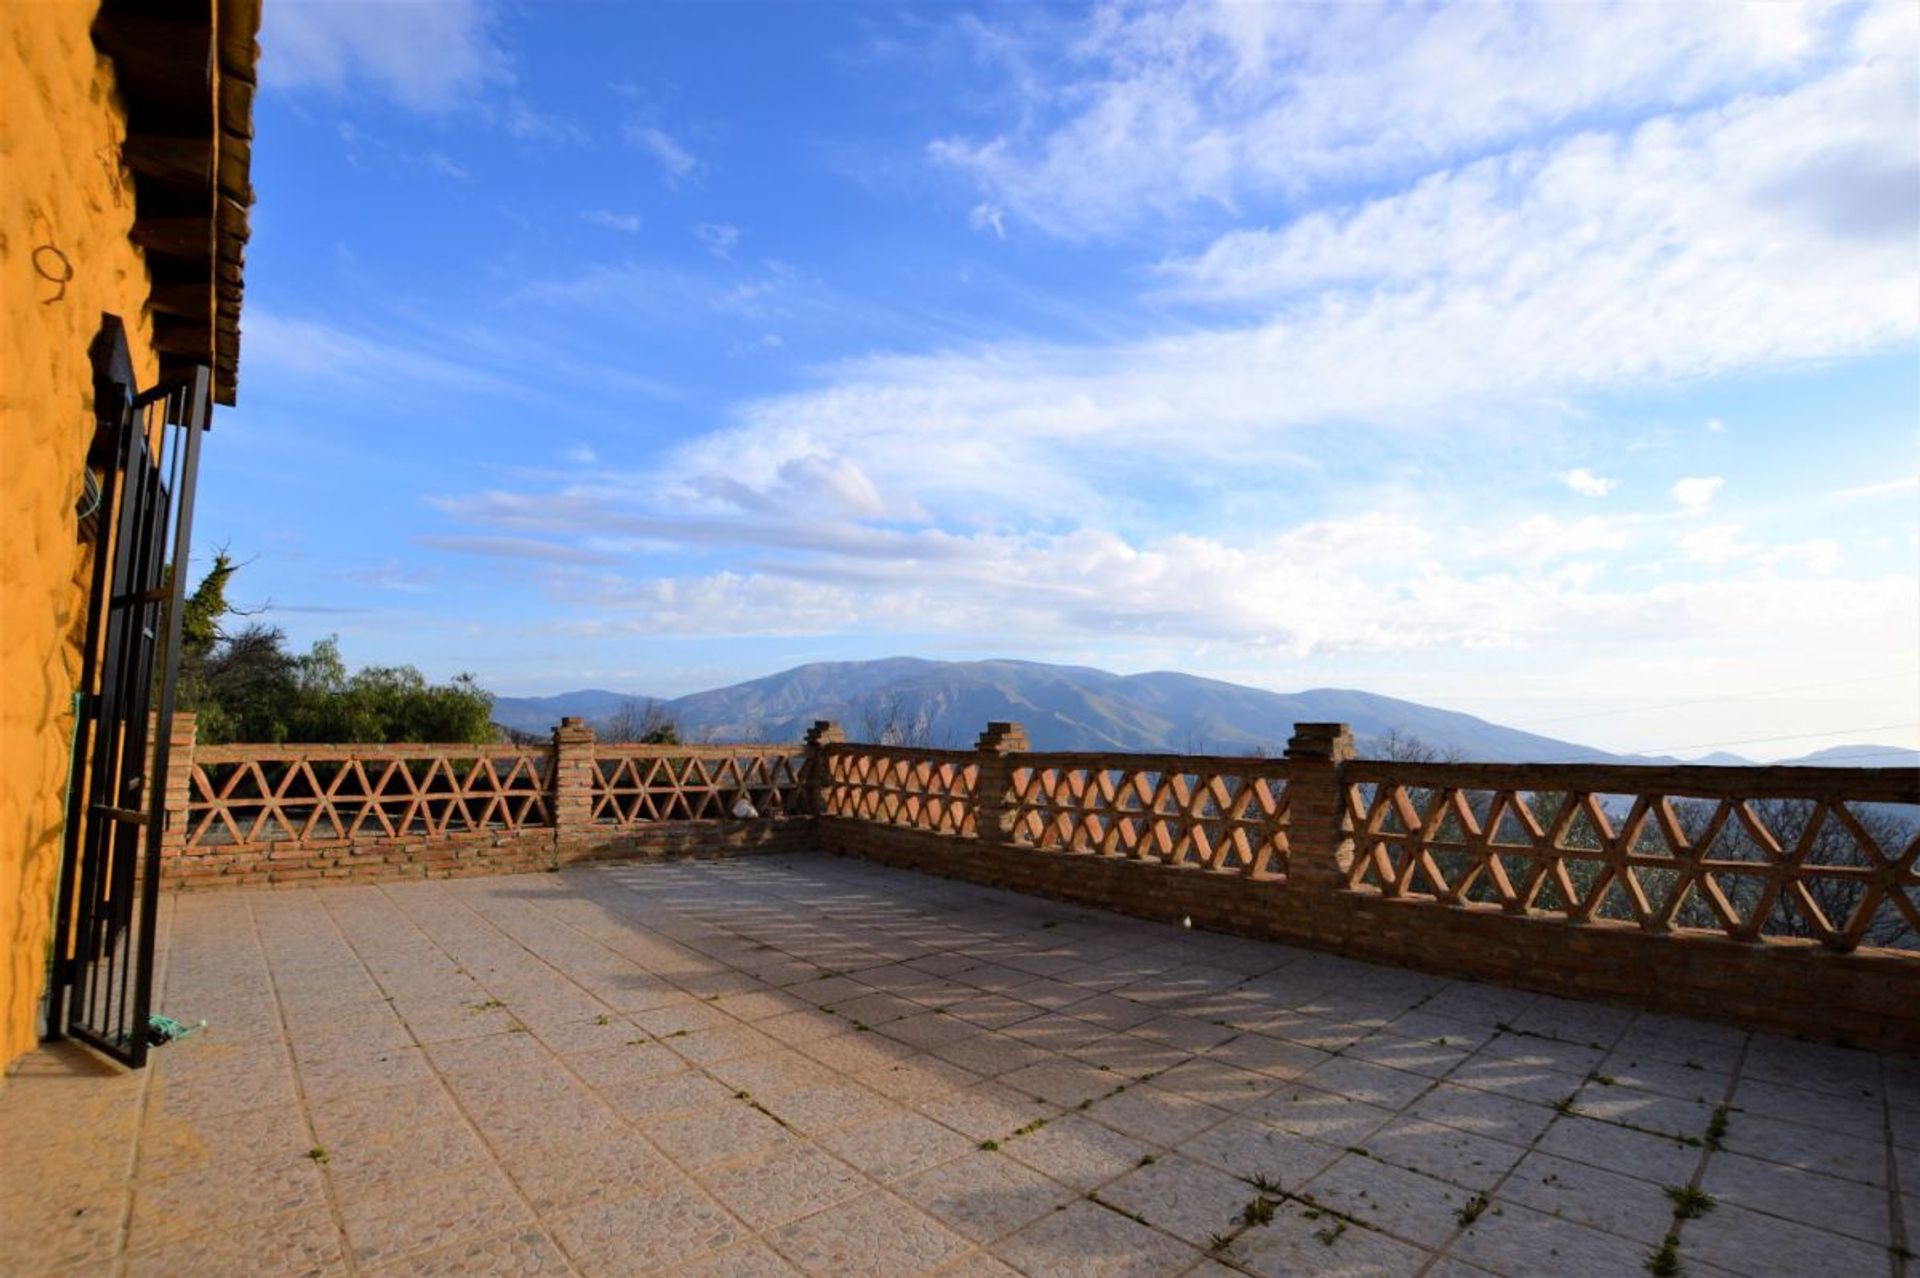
(445, 165)
(429, 57)
(1681, 250)
(764, 342)
(1375, 583)
(1870, 492)
(629, 223)
(1516, 222)
(1588, 484)
(1696, 492)
(523, 121)
(581, 455)
(989, 217)
(676, 162)
(719, 237)
(1716, 424)
(1211, 103)
(1718, 544)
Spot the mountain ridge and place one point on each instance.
(946, 703)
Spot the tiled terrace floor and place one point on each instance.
(809, 1065)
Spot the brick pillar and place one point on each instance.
(813, 781)
(998, 749)
(572, 782)
(1319, 830)
(179, 746)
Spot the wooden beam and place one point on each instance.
(172, 159)
(185, 236)
(194, 301)
(176, 337)
(155, 50)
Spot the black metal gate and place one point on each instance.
(147, 450)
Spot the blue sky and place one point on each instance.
(1552, 363)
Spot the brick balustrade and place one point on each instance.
(1784, 899)
(264, 815)
(1781, 898)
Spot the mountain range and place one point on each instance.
(946, 703)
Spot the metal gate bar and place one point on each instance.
(102, 986)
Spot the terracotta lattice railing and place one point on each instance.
(241, 795)
(1223, 814)
(1819, 854)
(636, 784)
(278, 797)
(900, 785)
(1823, 854)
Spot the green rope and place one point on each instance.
(164, 1029)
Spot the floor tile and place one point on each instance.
(876, 1236)
(984, 1195)
(1088, 1240)
(671, 1223)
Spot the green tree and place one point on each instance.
(204, 608)
(246, 686)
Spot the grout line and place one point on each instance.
(1437, 1254)
(459, 1108)
(1710, 1147)
(299, 1090)
(1897, 1245)
(560, 1061)
(1060, 1112)
(163, 927)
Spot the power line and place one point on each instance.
(1698, 701)
(1794, 736)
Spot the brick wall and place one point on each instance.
(264, 816)
(1867, 999)
(1197, 838)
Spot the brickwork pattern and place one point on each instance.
(251, 815)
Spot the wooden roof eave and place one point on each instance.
(185, 77)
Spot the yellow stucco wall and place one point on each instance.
(64, 202)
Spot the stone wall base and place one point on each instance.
(461, 856)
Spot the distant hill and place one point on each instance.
(1063, 708)
(537, 714)
(1080, 708)
(1859, 756)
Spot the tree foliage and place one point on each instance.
(640, 722)
(894, 718)
(246, 686)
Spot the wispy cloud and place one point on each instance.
(1160, 109)
(1588, 484)
(445, 165)
(989, 217)
(718, 237)
(427, 57)
(525, 122)
(1367, 584)
(1869, 492)
(516, 548)
(629, 223)
(677, 163)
